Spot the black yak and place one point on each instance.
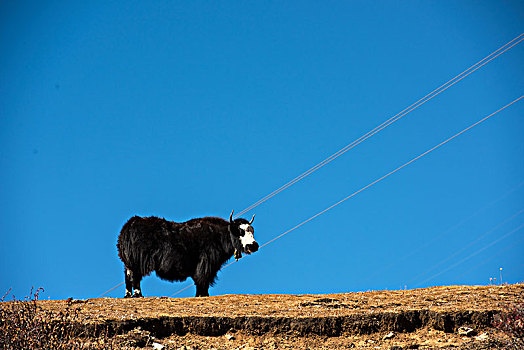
(197, 248)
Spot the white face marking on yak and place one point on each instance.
(247, 238)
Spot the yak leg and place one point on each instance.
(129, 283)
(137, 293)
(202, 290)
(203, 276)
(133, 284)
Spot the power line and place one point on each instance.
(471, 255)
(445, 232)
(107, 291)
(485, 261)
(376, 181)
(394, 171)
(192, 284)
(390, 121)
(505, 221)
(385, 124)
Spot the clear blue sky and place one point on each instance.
(110, 109)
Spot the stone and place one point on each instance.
(468, 332)
(388, 336)
(482, 337)
(158, 346)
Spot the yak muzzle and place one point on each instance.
(251, 248)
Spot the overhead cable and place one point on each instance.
(374, 182)
(511, 245)
(496, 227)
(471, 255)
(390, 121)
(394, 171)
(437, 237)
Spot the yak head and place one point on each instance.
(242, 237)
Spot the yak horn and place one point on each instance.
(253, 218)
(231, 216)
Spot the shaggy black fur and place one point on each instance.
(197, 248)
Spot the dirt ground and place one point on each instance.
(428, 318)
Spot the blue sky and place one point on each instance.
(110, 109)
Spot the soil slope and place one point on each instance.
(420, 318)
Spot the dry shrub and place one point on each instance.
(511, 322)
(23, 325)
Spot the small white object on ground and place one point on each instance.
(483, 336)
(466, 331)
(389, 336)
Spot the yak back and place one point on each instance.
(146, 244)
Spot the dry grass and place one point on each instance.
(107, 323)
(24, 325)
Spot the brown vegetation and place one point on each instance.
(429, 318)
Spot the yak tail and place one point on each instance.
(134, 257)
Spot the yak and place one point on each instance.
(197, 248)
